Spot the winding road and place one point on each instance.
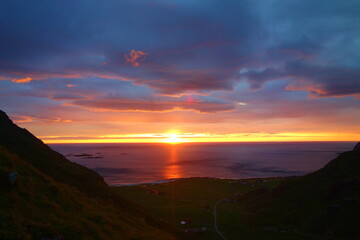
(215, 219)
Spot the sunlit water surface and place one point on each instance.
(138, 163)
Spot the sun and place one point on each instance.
(173, 138)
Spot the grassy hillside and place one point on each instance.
(53, 197)
(321, 205)
(42, 157)
(193, 199)
(325, 203)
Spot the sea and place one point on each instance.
(133, 163)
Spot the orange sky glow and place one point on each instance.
(185, 71)
(188, 138)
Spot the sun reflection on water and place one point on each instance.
(172, 169)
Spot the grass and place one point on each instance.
(37, 207)
(194, 199)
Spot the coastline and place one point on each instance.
(230, 180)
(143, 183)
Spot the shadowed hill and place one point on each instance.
(55, 198)
(44, 159)
(324, 204)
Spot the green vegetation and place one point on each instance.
(53, 197)
(321, 205)
(193, 199)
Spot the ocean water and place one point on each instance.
(137, 163)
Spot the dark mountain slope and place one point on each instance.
(53, 197)
(43, 158)
(324, 204)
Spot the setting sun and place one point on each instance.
(174, 138)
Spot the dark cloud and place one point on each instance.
(196, 80)
(303, 48)
(257, 78)
(324, 81)
(188, 47)
(317, 80)
(91, 40)
(152, 105)
(113, 95)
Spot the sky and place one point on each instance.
(182, 70)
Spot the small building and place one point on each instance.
(185, 221)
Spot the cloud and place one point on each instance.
(189, 41)
(26, 119)
(175, 81)
(18, 77)
(22, 119)
(135, 57)
(66, 96)
(317, 80)
(324, 81)
(311, 49)
(152, 105)
(257, 78)
(303, 48)
(113, 95)
(22, 80)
